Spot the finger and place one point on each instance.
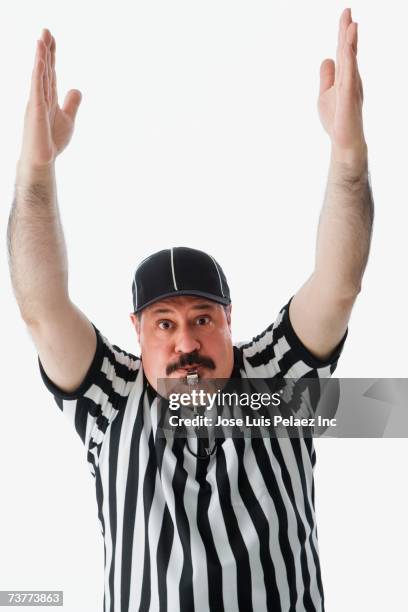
(360, 83)
(327, 70)
(45, 37)
(49, 71)
(48, 83)
(72, 102)
(53, 47)
(351, 35)
(350, 74)
(345, 20)
(54, 96)
(37, 86)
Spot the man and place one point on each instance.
(224, 527)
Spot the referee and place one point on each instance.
(192, 525)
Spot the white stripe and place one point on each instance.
(219, 276)
(176, 559)
(155, 517)
(298, 370)
(221, 541)
(247, 529)
(121, 479)
(69, 409)
(308, 469)
(198, 554)
(268, 507)
(132, 364)
(104, 472)
(155, 520)
(292, 533)
(292, 466)
(172, 269)
(140, 527)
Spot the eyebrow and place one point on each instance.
(164, 310)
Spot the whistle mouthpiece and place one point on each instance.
(192, 378)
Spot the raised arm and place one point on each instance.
(64, 338)
(320, 310)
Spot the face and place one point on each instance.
(185, 333)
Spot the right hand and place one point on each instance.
(341, 99)
(47, 127)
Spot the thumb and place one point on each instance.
(72, 102)
(327, 69)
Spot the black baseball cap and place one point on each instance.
(178, 271)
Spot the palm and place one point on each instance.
(61, 130)
(327, 109)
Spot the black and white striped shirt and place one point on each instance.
(235, 531)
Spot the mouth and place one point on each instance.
(191, 374)
(190, 369)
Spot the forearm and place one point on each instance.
(37, 252)
(345, 228)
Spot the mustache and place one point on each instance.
(189, 359)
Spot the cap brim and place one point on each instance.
(209, 296)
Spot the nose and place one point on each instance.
(186, 341)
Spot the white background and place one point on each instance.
(199, 127)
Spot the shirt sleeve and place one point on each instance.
(100, 397)
(278, 351)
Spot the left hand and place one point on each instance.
(341, 97)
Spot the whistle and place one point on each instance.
(192, 378)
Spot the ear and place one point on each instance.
(136, 323)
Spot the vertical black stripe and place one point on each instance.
(148, 494)
(99, 499)
(261, 525)
(308, 440)
(116, 428)
(160, 441)
(214, 567)
(166, 537)
(104, 565)
(183, 527)
(269, 477)
(244, 583)
(296, 444)
(301, 531)
(129, 515)
(163, 556)
(81, 416)
(59, 402)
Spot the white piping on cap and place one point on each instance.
(172, 269)
(218, 272)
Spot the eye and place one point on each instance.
(165, 324)
(203, 320)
